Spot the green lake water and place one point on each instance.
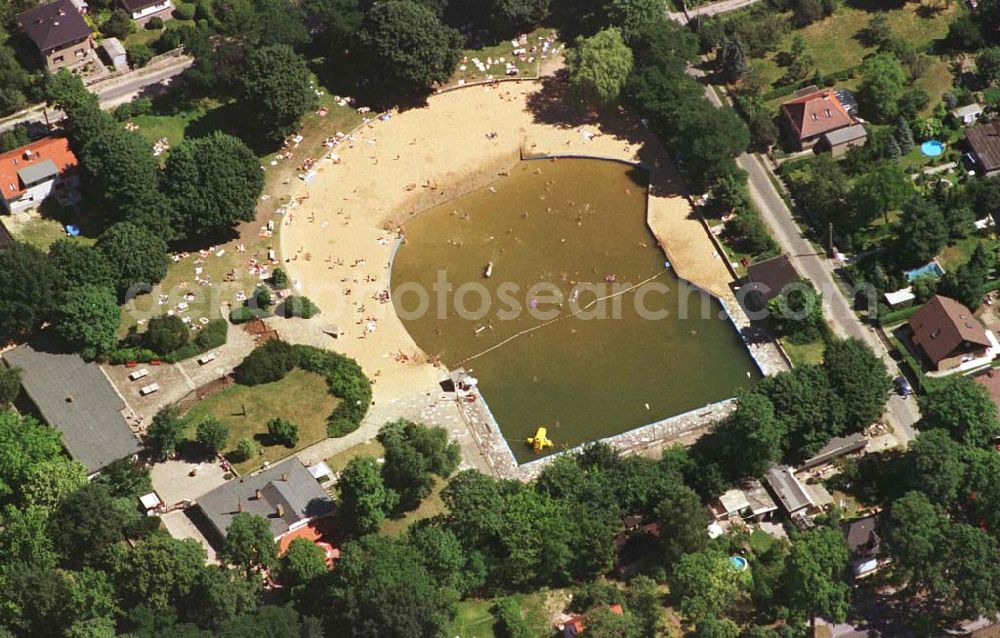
(584, 377)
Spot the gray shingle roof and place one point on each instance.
(793, 495)
(54, 25)
(849, 134)
(35, 173)
(288, 484)
(76, 398)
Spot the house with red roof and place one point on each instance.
(948, 334)
(32, 173)
(812, 114)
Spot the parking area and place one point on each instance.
(177, 481)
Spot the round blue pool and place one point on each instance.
(739, 563)
(932, 148)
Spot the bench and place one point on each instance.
(208, 358)
(139, 374)
(149, 389)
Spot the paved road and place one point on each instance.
(710, 9)
(114, 92)
(901, 413)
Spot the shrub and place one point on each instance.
(509, 619)
(262, 298)
(298, 307)
(118, 25)
(139, 55)
(283, 431)
(213, 335)
(154, 23)
(184, 11)
(121, 356)
(212, 434)
(242, 314)
(268, 363)
(346, 380)
(245, 450)
(279, 279)
(166, 333)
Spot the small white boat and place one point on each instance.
(489, 270)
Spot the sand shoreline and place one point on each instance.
(338, 244)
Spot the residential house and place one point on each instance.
(59, 33)
(842, 140)
(811, 114)
(968, 114)
(142, 10)
(983, 145)
(574, 626)
(948, 334)
(798, 499)
(76, 398)
(765, 280)
(863, 543)
(285, 494)
(835, 448)
(750, 502)
(32, 173)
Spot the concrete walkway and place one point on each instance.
(709, 10)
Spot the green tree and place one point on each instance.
(508, 17)
(158, 572)
(24, 442)
(446, 559)
(413, 454)
(283, 431)
(645, 602)
(967, 283)
(705, 585)
(963, 408)
(936, 466)
(275, 85)
(92, 519)
(631, 17)
(797, 313)
(262, 22)
(813, 577)
(915, 534)
(381, 589)
(138, 55)
(364, 498)
(24, 539)
(166, 333)
(878, 32)
(10, 385)
(213, 182)
(805, 403)
(165, 432)
(733, 60)
(244, 450)
(599, 66)
(921, 232)
(249, 543)
(138, 258)
(903, 135)
(304, 561)
(712, 627)
(47, 483)
(212, 434)
(882, 188)
(752, 437)
(81, 264)
(604, 623)
(681, 516)
(407, 46)
(974, 586)
(510, 620)
(801, 63)
(988, 66)
(706, 141)
(267, 363)
(219, 595)
(859, 378)
(882, 86)
(32, 290)
(88, 320)
(118, 25)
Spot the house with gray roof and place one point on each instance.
(285, 494)
(76, 398)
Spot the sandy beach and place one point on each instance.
(338, 243)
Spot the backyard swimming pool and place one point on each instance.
(932, 269)
(932, 148)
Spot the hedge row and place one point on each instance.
(212, 336)
(828, 79)
(346, 381)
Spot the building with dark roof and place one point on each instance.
(76, 398)
(59, 32)
(983, 143)
(811, 114)
(285, 494)
(844, 139)
(948, 333)
(835, 448)
(765, 280)
(863, 543)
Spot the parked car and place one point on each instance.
(903, 386)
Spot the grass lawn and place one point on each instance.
(953, 256)
(38, 231)
(339, 461)
(301, 397)
(834, 44)
(199, 120)
(804, 353)
(504, 50)
(475, 619)
(761, 541)
(429, 508)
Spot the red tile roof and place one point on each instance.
(50, 148)
(816, 113)
(942, 325)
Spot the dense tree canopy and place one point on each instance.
(138, 258)
(32, 289)
(961, 407)
(599, 66)
(276, 88)
(88, 320)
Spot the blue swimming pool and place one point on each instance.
(932, 269)
(932, 148)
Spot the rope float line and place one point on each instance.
(557, 319)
